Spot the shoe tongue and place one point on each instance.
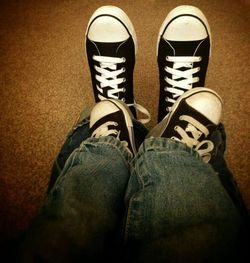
(108, 49)
(184, 48)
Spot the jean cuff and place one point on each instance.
(107, 141)
(161, 144)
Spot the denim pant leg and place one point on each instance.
(83, 213)
(79, 133)
(178, 210)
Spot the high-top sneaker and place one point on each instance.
(183, 51)
(113, 118)
(192, 119)
(111, 47)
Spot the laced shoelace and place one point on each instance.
(104, 130)
(109, 77)
(182, 80)
(194, 127)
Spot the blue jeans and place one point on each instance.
(165, 205)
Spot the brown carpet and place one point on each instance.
(45, 83)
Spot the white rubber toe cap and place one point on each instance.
(185, 28)
(110, 24)
(185, 23)
(107, 29)
(208, 104)
(101, 110)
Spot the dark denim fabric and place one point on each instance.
(79, 133)
(178, 210)
(165, 205)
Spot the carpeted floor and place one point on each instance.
(45, 83)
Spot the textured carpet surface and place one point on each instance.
(45, 83)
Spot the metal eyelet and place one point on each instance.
(123, 59)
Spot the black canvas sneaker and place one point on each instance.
(183, 51)
(111, 47)
(192, 119)
(113, 118)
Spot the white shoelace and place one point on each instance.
(104, 130)
(205, 147)
(181, 79)
(109, 78)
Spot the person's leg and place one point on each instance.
(184, 48)
(84, 208)
(88, 179)
(178, 209)
(78, 133)
(111, 60)
(82, 216)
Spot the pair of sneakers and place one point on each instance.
(187, 111)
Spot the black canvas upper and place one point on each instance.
(124, 49)
(121, 125)
(180, 48)
(184, 109)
